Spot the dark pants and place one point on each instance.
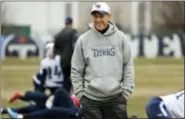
(115, 108)
(55, 112)
(27, 109)
(155, 109)
(67, 81)
(63, 107)
(39, 99)
(62, 99)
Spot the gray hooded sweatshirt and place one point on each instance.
(102, 65)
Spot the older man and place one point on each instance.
(102, 71)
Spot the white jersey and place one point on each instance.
(175, 104)
(53, 73)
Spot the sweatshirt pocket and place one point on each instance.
(104, 87)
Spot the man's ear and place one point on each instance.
(109, 15)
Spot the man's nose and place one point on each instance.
(98, 19)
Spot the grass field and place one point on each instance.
(152, 77)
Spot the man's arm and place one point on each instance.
(74, 37)
(57, 44)
(77, 69)
(128, 69)
(39, 78)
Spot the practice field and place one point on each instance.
(153, 77)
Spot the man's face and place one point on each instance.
(101, 21)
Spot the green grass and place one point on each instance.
(153, 77)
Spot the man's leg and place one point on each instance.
(62, 99)
(155, 109)
(38, 97)
(67, 82)
(115, 108)
(26, 109)
(55, 112)
(47, 113)
(91, 109)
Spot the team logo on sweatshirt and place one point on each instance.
(103, 50)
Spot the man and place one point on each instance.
(102, 71)
(50, 75)
(59, 105)
(166, 107)
(64, 45)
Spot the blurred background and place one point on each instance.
(154, 28)
(155, 31)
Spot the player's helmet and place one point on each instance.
(49, 49)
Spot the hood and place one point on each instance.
(111, 30)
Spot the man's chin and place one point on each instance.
(100, 29)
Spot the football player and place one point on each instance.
(166, 107)
(50, 75)
(59, 105)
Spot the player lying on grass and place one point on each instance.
(56, 106)
(59, 105)
(166, 107)
(50, 75)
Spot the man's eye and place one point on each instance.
(101, 16)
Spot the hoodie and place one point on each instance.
(102, 65)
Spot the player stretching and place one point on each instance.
(166, 107)
(59, 105)
(50, 75)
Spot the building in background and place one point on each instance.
(154, 28)
(134, 17)
(42, 17)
